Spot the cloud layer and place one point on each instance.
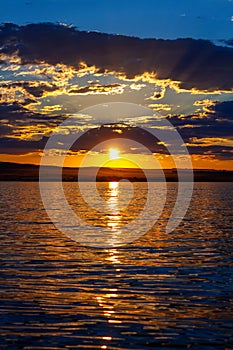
(197, 64)
(49, 71)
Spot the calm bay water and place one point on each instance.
(163, 291)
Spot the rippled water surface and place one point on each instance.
(163, 291)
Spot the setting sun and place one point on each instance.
(113, 153)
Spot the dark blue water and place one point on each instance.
(164, 291)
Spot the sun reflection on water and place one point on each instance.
(114, 217)
(113, 190)
(108, 300)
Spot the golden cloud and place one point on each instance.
(84, 69)
(50, 109)
(31, 132)
(59, 72)
(8, 59)
(160, 106)
(137, 87)
(210, 141)
(21, 91)
(12, 93)
(110, 89)
(11, 67)
(205, 102)
(194, 91)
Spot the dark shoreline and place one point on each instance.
(27, 172)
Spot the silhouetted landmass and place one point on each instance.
(27, 172)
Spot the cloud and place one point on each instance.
(228, 42)
(23, 130)
(211, 131)
(17, 146)
(18, 124)
(46, 69)
(195, 64)
(223, 110)
(51, 109)
(160, 106)
(10, 91)
(210, 141)
(205, 103)
(16, 112)
(110, 89)
(137, 87)
(59, 73)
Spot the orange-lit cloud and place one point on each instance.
(210, 141)
(51, 109)
(160, 106)
(22, 91)
(137, 87)
(110, 89)
(205, 102)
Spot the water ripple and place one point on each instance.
(164, 291)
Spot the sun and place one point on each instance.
(113, 153)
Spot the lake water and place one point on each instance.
(163, 291)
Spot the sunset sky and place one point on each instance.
(176, 60)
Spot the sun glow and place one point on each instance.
(113, 153)
(113, 185)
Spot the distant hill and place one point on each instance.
(28, 172)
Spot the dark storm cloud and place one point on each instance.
(217, 122)
(208, 133)
(193, 126)
(15, 119)
(219, 152)
(89, 139)
(228, 42)
(189, 128)
(17, 111)
(196, 64)
(86, 142)
(36, 89)
(17, 146)
(223, 110)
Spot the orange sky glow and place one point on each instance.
(166, 161)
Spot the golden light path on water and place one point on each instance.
(106, 301)
(112, 203)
